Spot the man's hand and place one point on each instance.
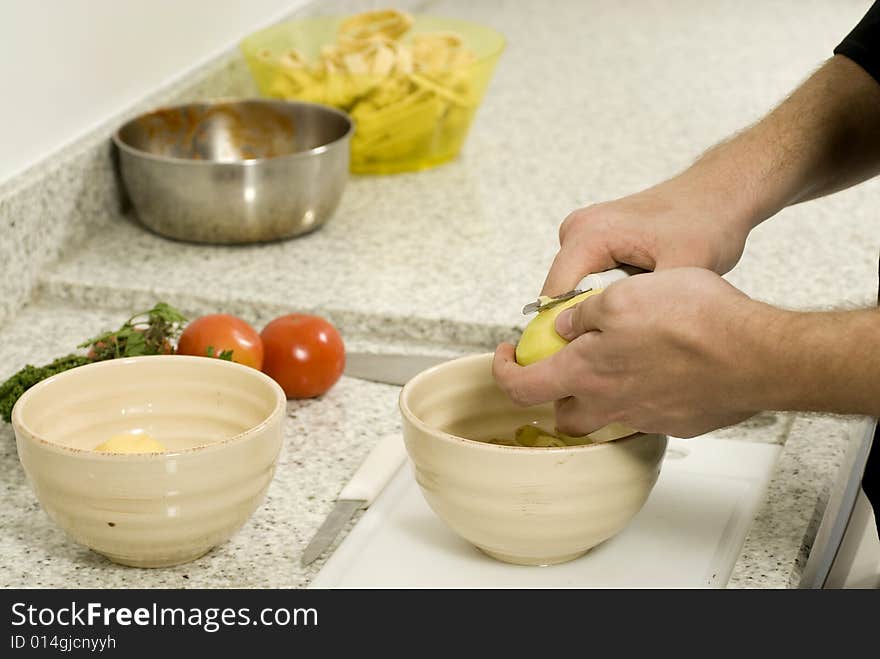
(682, 222)
(670, 352)
(823, 138)
(680, 351)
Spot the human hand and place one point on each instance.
(674, 224)
(670, 352)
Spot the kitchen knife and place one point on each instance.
(385, 458)
(388, 368)
(366, 484)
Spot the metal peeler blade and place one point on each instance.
(545, 301)
(590, 282)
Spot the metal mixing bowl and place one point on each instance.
(235, 171)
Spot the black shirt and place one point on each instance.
(862, 46)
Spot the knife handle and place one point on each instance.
(605, 279)
(376, 470)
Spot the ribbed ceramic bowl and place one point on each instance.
(532, 506)
(220, 421)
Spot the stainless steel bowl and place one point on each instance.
(235, 171)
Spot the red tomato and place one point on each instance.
(304, 354)
(209, 336)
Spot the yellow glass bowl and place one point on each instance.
(425, 128)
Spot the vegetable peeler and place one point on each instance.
(588, 283)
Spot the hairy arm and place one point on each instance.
(680, 350)
(820, 362)
(824, 137)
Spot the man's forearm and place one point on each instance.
(823, 138)
(814, 361)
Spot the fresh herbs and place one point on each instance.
(146, 333)
(226, 354)
(150, 332)
(29, 376)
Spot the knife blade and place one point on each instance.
(388, 368)
(385, 458)
(377, 469)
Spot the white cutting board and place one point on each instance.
(688, 535)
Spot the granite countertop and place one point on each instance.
(589, 102)
(324, 442)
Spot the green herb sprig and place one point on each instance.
(225, 354)
(14, 387)
(152, 332)
(146, 333)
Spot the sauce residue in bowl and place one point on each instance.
(223, 132)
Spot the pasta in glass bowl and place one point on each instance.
(412, 85)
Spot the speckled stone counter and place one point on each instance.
(591, 100)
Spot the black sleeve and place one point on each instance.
(862, 45)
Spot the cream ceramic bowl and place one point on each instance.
(532, 506)
(220, 421)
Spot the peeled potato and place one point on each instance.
(545, 441)
(527, 435)
(530, 437)
(540, 339)
(131, 443)
(502, 441)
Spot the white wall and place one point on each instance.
(68, 65)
